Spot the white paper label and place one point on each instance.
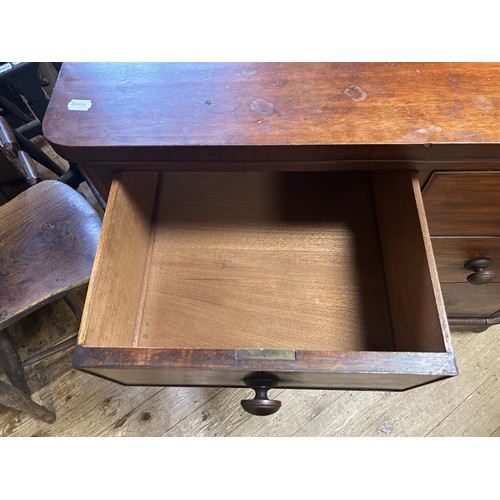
(5, 67)
(79, 105)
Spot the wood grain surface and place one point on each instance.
(119, 269)
(48, 239)
(310, 370)
(148, 112)
(417, 308)
(463, 203)
(266, 260)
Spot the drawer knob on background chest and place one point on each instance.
(480, 276)
(261, 404)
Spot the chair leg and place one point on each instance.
(12, 397)
(74, 304)
(11, 363)
(17, 395)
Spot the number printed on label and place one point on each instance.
(5, 67)
(79, 104)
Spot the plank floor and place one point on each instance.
(85, 405)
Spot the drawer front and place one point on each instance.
(463, 299)
(307, 370)
(463, 204)
(452, 254)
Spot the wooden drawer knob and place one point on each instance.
(480, 276)
(261, 404)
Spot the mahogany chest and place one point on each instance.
(302, 225)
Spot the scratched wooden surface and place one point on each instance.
(275, 103)
(148, 112)
(467, 405)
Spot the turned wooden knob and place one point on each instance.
(480, 276)
(261, 404)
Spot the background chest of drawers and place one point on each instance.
(463, 211)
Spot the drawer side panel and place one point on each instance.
(114, 295)
(418, 314)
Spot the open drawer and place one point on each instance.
(261, 279)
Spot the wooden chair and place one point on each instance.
(48, 239)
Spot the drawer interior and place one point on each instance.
(270, 260)
(321, 261)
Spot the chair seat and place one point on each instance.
(48, 240)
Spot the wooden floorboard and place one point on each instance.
(165, 410)
(417, 412)
(473, 416)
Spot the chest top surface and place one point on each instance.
(400, 108)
